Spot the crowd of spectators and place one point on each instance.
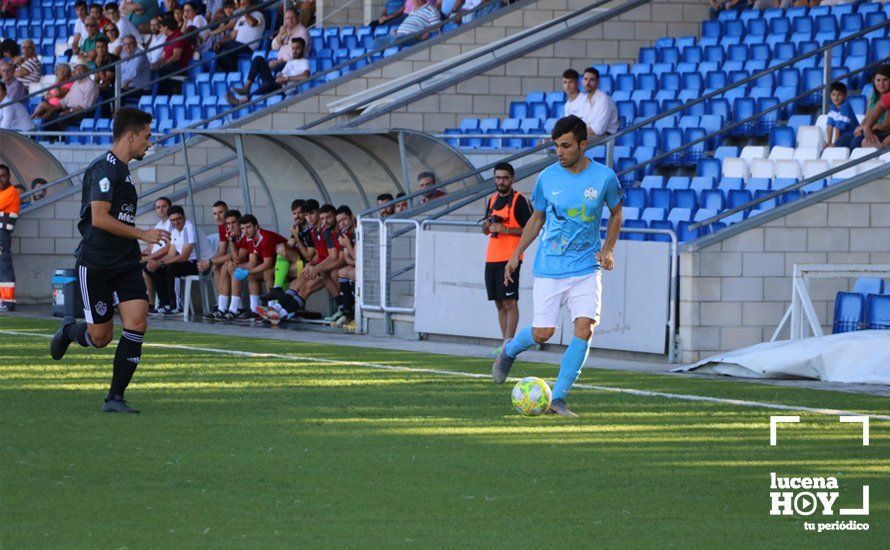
(586, 101)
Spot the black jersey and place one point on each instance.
(107, 179)
(305, 235)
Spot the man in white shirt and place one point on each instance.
(80, 30)
(157, 38)
(282, 42)
(77, 104)
(124, 26)
(181, 260)
(244, 38)
(574, 97)
(135, 69)
(294, 70)
(152, 254)
(13, 115)
(598, 109)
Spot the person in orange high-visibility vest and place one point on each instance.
(506, 213)
(10, 208)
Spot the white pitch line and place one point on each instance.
(381, 366)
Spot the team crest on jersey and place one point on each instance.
(101, 307)
(104, 185)
(109, 158)
(591, 193)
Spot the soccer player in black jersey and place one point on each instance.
(108, 269)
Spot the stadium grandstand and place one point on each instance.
(342, 200)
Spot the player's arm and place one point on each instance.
(604, 256)
(261, 266)
(333, 261)
(529, 234)
(222, 253)
(102, 219)
(182, 257)
(307, 253)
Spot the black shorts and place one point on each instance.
(494, 282)
(102, 289)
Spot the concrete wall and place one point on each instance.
(733, 293)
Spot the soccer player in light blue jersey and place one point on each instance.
(568, 198)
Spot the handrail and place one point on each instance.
(601, 140)
(461, 59)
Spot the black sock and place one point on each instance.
(126, 359)
(77, 332)
(343, 298)
(350, 297)
(296, 303)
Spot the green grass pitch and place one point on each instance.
(234, 451)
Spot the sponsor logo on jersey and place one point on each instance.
(109, 158)
(104, 185)
(127, 213)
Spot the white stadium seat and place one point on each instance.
(802, 154)
(762, 168)
(754, 152)
(834, 153)
(810, 136)
(789, 169)
(843, 174)
(869, 165)
(814, 167)
(860, 152)
(735, 168)
(822, 122)
(778, 153)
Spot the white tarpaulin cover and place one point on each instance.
(861, 357)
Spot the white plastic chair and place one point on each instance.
(787, 169)
(834, 153)
(822, 123)
(736, 168)
(814, 167)
(869, 165)
(802, 154)
(751, 152)
(779, 153)
(762, 168)
(860, 152)
(843, 174)
(810, 136)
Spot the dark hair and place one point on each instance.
(297, 203)
(384, 197)
(3, 87)
(192, 4)
(401, 194)
(4, 167)
(11, 47)
(310, 205)
(425, 175)
(839, 87)
(176, 209)
(506, 166)
(37, 181)
(249, 218)
(165, 199)
(112, 6)
(102, 38)
(169, 21)
(344, 210)
(327, 208)
(571, 124)
(128, 119)
(571, 74)
(96, 5)
(592, 71)
(221, 203)
(80, 3)
(233, 214)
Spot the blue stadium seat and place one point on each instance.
(660, 198)
(756, 185)
(623, 167)
(648, 137)
(742, 108)
(738, 197)
(660, 224)
(648, 55)
(539, 110)
(878, 316)
(849, 312)
(633, 224)
(711, 124)
(470, 125)
(519, 109)
(669, 54)
(713, 199)
(647, 109)
(826, 29)
(692, 54)
(684, 198)
(676, 183)
(671, 139)
(718, 106)
(869, 285)
(696, 151)
(709, 167)
(652, 182)
(627, 110)
(729, 184)
(555, 98)
(635, 197)
(650, 214)
(768, 120)
(685, 234)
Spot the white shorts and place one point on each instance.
(580, 294)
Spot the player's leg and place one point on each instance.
(282, 268)
(134, 320)
(329, 280)
(584, 305)
(98, 309)
(510, 310)
(235, 287)
(548, 295)
(224, 288)
(347, 290)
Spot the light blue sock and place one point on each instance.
(570, 367)
(522, 341)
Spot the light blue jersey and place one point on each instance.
(573, 204)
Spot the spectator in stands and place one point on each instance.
(29, 69)
(124, 26)
(724, 5)
(9, 8)
(295, 70)
(260, 266)
(841, 118)
(425, 180)
(105, 77)
(222, 29)
(98, 12)
(393, 13)
(506, 213)
(880, 86)
(382, 199)
(13, 115)
(135, 70)
(37, 183)
(598, 109)
(191, 18)
(80, 29)
(54, 95)
(114, 39)
(177, 55)
(152, 254)
(467, 9)
(292, 28)
(77, 103)
(180, 260)
(307, 13)
(419, 20)
(574, 97)
(15, 90)
(88, 44)
(345, 274)
(140, 12)
(155, 41)
(401, 206)
(9, 50)
(874, 138)
(243, 39)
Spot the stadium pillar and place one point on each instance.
(242, 169)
